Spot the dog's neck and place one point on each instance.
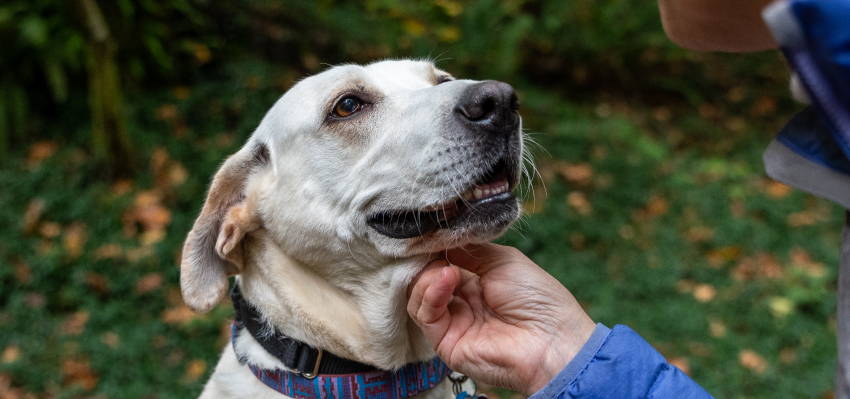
(361, 316)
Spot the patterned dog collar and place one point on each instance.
(410, 380)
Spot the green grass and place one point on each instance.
(678, 235)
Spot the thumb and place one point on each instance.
(430, 295)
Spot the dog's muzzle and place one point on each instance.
(487, 111)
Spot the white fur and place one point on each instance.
(311, 265)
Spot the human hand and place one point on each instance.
(498, 318)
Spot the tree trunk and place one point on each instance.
(110, 142)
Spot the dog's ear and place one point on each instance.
(212, 252)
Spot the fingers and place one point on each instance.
(480, 258)
(430, 295)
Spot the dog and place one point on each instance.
(353, 181)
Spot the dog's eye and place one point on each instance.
(444, 79)
(347, 106)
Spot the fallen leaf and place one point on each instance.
(704, 292)
(716, 328)
(97, 282)
(148, 283)
(788, 355)
(137, 254)
(180, 314)
(580, 173)
(801, 260)
(752, 361)
(10, 354)
(23, 273)
(108, 251)
(167, 112)
(78, 372)
(32, 215)
(780, 306)
(578, 201)
(776, 189)
(718, 257)
(682, 363)
(75, 324)
(40, 151)
(110, 339)
(50, 229)
(74, 239)
(762, 265)
(698, 234)
(122, 187)
(195, 369)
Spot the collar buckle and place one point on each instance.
(312, 374)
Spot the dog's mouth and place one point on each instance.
(486, 199)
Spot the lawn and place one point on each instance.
(650, 205)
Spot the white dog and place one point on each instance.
(352, 182)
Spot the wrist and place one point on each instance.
(562, 349)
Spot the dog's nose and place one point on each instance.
(489, 105)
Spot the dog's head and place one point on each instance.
(392, 159)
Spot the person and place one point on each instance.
(494, 315)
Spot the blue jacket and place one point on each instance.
(811, 153)
(618, 363)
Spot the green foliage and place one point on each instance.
(651, 206)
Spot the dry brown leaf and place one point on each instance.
(801, 260)
(195, 369)
(148, 283)
(765, 105)
(762, 265)
(78, 372)
(151, 237)
(122, 187)
(50, 229)
(40, 151)
(682, 363)
(75, 324)
(578, 201)
(180, 314)
(580, 173)
(10, 354)
(809, 217)
(697, 234)
(167, 112)
(182, 92)
(74, 239)
(32, 215)
(716, 328)
(656, 206)
(23, 273)
(752, 361)
(97, 282)
(137, 254)
(110, 339)
(776, 189)
(788, 355)
(147, 211)
(704, 292)
(718, 257)
(108, 251)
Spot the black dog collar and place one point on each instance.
(295, 355)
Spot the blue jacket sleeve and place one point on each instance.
(618, 363)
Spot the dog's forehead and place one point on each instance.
(390, 76)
